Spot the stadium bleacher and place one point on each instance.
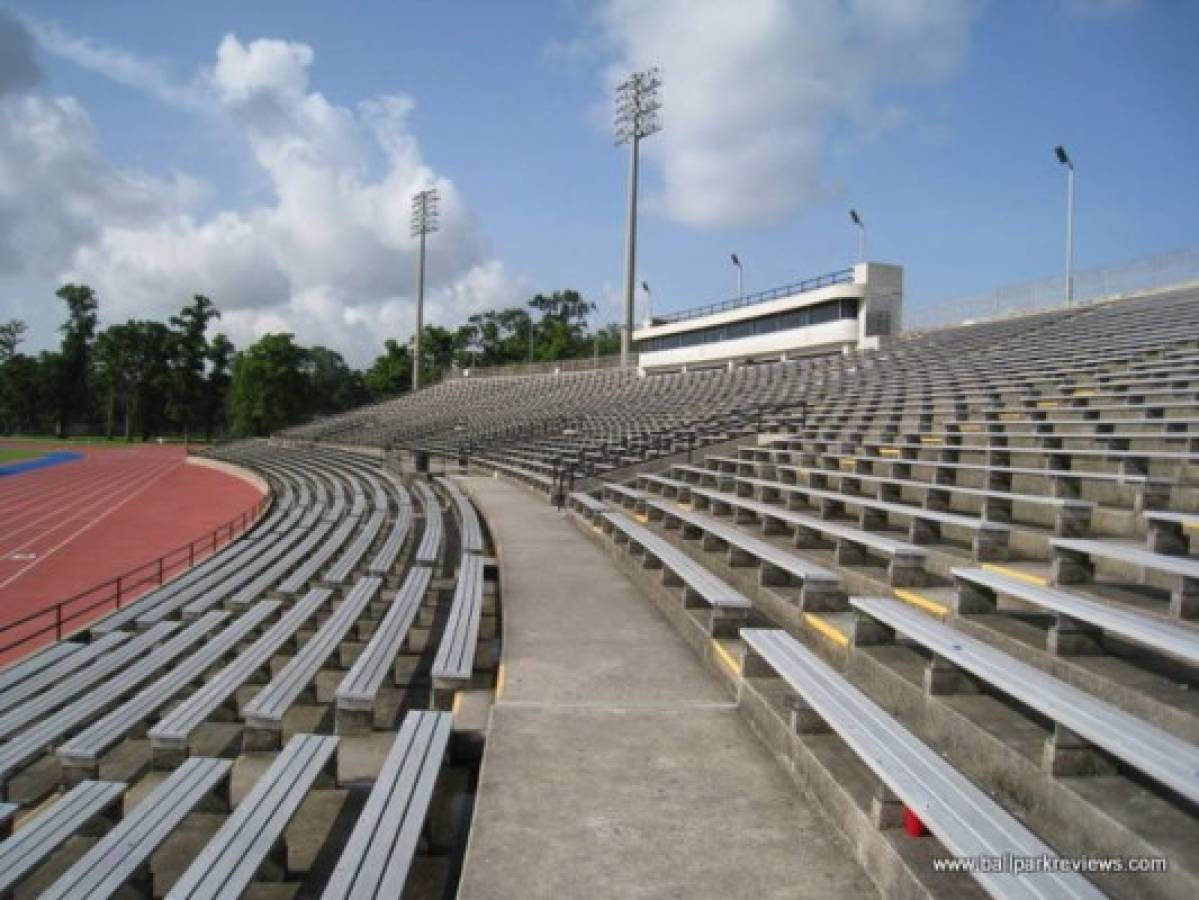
(949, 582)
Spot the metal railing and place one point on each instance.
(841, 276)
(64, 617)
(1137, 276)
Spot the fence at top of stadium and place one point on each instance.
(1144, 275)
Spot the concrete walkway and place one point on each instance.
(615, 765)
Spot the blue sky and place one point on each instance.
(257, 174)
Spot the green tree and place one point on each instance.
(391, 372)
(333, 385)
(75, 373)
(191, 351)
(216, 397)
(268, 385)
(12, 333)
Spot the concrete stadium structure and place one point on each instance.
(916, 620)
(854, 309)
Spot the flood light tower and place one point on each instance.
(637, 108)
(1064, 159)
(424, 222)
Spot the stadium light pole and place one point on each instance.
(424, 222)
(857, 220)
(637, 106)
(649, 304)
(1064, 159)
(737, 263)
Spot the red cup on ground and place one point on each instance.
(912, 825)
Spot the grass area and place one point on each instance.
(10, 456)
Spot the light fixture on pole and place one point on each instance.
(649, 304)
(737, 263)
(857, 220)
(1064, 159)
(637, 107)
(424, 222)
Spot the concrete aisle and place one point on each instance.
(615, 765)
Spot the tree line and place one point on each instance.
(144, 379)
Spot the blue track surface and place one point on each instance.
(41, 462)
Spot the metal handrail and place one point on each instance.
(841, 276)
(124, 587)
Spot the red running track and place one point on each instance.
(72, 526)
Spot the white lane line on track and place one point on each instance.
(59, 504)
(50, 483)
(93, 523)
(62, 517)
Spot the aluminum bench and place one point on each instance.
(358, 691)
(468, 519)
(122, 856)
(1079, 620)
(51, 730)
(376, 858)
(1082, 721)
(264, 714)
(86, 808)
(171, 736)
(80, 756)
(253, 837)
(820, 588)
(1073, 563)
(454, 661)
(966, 821)
(727, 607)
(429, 549)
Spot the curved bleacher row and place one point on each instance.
(281, 712)
(953, 578)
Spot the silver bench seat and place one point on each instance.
(1077, 616)
(1073, 563)
(299, 577)
(378, 855)
(385, 559)
(83, 805)
(171, 735)
(264, 714)
(1167, 759)
(468, 519)
(33, 741)
(777, 566)
(727, 607)
(36, 662)
(455, 657)
(962, 817)
(123, 854)
(343, 567)
(905, 562)
(357, 693)
(229, 863)
(989, 539)
(429, 549)
(125, 653)
(53, 674)
(80, 756)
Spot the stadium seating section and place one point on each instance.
(951, 580)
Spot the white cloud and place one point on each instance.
(115, 64)
(328, 257)
(753, 90)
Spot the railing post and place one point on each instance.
(119, 577)
(160, 570)
(58, 622)
(191, 554)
